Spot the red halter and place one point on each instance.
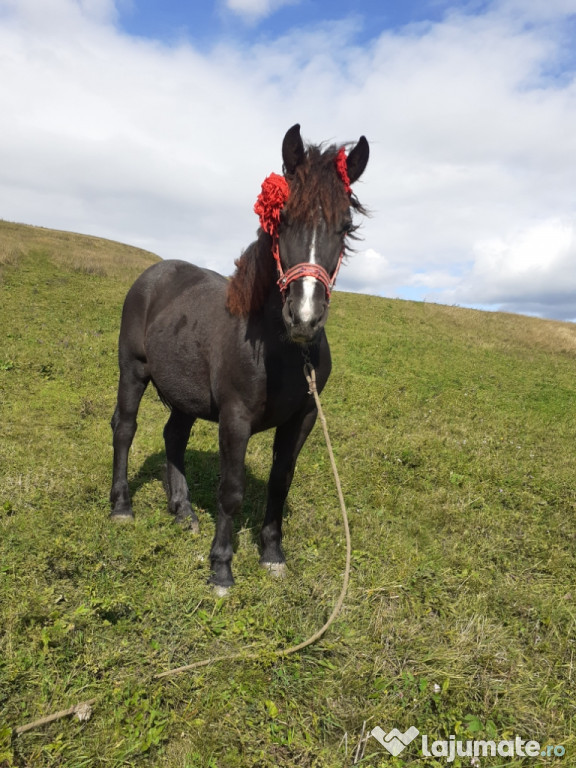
(271, 200)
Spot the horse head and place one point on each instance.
(313, 226)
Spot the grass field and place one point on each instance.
(454, 435)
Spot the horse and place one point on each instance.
(232, 351)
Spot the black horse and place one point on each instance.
(232, 351)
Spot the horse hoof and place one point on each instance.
(218, 591)
(188, 523)
(278, 570)
(122, 517)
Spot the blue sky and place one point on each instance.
(206, 23)
(154, 122)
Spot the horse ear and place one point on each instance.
(292, 149)
(358, 159)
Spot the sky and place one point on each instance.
(154, 123)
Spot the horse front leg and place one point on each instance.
(288, 442)
(234, 433)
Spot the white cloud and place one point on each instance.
(253, 10)
(50, 14)
(367, 269)
(472, 133)
(532, 255)
(537, 263)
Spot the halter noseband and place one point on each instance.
(273, 197)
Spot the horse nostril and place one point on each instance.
(290, 309)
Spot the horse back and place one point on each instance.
(155, 290)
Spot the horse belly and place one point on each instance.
(180, 370)
(182, 389)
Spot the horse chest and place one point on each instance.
(282, 403)
(284, 390)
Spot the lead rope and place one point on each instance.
(310, 375)
(83, 709)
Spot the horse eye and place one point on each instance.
(346, 228)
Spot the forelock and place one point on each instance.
(316, 189)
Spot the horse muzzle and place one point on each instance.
(305, 309)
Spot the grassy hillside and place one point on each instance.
(454, 435)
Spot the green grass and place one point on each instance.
(454, 435)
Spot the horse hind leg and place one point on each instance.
(131, 387)
(176, 435)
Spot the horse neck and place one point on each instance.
(274, 303)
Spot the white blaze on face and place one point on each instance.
(309, 284)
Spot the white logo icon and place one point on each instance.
(394, 741)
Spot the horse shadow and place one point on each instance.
(203, 476)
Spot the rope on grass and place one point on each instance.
(83, 710)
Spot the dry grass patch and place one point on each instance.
(82, 253)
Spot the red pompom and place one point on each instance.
(342, 168)
(271, 200)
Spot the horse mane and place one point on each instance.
(315, 189)
(255, 270)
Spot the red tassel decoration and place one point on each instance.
(271, 200)
(342, 168)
